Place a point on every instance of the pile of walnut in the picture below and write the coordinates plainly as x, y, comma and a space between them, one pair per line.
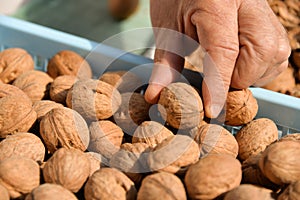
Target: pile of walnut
67, 136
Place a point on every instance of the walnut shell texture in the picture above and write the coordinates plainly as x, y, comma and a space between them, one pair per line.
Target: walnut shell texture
60, 86
93, 99
133, 111
292, 136
35, 84
63, 127
280, 162
162, 185
19, 175
67, 167
106, 138
212, 176
8, 90
124, 81
249, 192
255, 136
241, 107
49, 191
213, 138
95, 161
68, 62
4, 193
13, 63
292, 192
174, 154
181, 106
25, 145
151, 132
42, 107
16, 115
109, 183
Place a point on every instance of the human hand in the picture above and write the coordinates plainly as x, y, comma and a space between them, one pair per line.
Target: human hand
245, 45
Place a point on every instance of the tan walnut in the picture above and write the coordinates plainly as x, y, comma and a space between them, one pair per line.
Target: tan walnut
42, 107
60, 86
249, 192
291, 192
4, 193
95, 161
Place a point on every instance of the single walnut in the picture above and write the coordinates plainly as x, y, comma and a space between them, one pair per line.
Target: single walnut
93, 99
241, 107
133, 111
106, 138
60, 87
124, 81
16, 115
181, 106
63, 127
132, 160
255, 136
25, 145
280, 162
49, 191
291, 136
253, 175
174, 154
161, 185
35, 84
95, 161
8, 90
13, 63
109, 183
249, 192
67, 167
283, 83
120, 9
214, 139
218, 174
292, 192
4, 193
19, 176
68, 62
42, 107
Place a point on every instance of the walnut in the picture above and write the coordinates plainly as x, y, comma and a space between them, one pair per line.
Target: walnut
174, 154
291, 192
67, 167
42, 107
93, 99
16, 115
181, 106
132, 112
291, 136
8, 90
68, 62
218, 174
63, 127
280, 162
241, 107
106, 138
249, 192
124, 81
95, 161
25, 145
253, 175
213, 138
162, 185
255, 136
4, 193
109, 183
120, 9
19, 176
132, 160
14, 62
35, 84
60, 87
49, 191
151, 132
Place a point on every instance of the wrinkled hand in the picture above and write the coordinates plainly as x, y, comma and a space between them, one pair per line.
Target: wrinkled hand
244, 43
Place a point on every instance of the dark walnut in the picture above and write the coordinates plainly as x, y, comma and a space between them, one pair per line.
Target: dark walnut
181, 106
218, 174
68, 62
35, 84
255, 136
13, 63
93, 99
63, 127
161, 185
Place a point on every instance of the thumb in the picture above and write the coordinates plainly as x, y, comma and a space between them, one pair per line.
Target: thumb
166, 69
